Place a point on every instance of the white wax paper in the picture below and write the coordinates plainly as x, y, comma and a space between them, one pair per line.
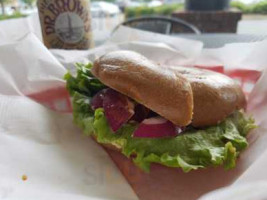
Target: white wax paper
57, 159
232, 57
26, 66
14, 29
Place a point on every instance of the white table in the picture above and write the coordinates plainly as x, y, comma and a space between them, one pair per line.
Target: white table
215, 40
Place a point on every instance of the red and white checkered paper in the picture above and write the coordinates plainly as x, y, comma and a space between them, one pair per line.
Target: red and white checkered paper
164, 183
246, 65
146, 185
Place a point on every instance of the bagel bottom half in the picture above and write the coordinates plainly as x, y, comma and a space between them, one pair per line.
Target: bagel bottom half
195, 148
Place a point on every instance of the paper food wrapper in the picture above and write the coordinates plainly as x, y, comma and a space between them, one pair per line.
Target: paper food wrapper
43, 155
55, 159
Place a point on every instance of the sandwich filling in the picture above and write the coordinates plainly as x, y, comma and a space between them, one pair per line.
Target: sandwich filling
115, 119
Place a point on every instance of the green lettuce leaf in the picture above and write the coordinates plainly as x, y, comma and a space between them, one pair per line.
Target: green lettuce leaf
82, 88
84, 82
212, 146
195, 148
82, 112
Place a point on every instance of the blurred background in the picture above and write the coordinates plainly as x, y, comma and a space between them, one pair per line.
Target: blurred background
209, 16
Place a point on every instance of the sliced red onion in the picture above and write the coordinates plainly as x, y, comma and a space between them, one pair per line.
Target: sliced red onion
140, 113
156, 127
118, 108
97, 100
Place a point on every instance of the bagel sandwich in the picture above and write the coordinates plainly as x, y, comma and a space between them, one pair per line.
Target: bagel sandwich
175, 116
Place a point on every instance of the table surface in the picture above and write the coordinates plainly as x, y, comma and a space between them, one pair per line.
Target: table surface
215, 40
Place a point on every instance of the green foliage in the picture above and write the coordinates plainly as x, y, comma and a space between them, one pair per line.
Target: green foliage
245, 8
15, 15
4, 1
260, 7
29, 2
255, 8
160, 10
2, 4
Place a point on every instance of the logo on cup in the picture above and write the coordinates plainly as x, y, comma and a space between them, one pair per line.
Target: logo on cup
69, 27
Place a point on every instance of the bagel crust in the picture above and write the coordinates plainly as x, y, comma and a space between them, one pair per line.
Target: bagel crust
179, 94
215, 95
164, 91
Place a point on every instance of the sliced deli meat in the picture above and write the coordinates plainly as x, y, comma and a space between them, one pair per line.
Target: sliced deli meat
118, 108
140, 113
97, 100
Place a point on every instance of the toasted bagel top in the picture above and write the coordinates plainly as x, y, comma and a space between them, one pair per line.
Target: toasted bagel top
180, 94
164, 91
215, 95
